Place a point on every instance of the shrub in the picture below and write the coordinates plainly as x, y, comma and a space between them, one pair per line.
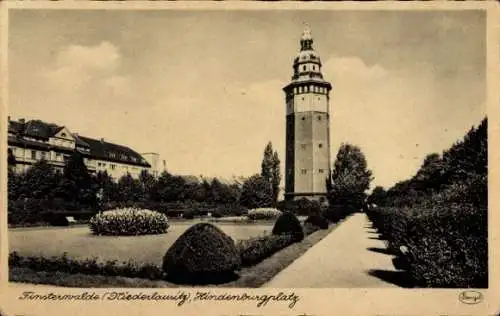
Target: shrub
288, 224
317, 220
202, 254
447, 244
188, 214
263, 213
128, 221
254, 250
216, 214
303, 206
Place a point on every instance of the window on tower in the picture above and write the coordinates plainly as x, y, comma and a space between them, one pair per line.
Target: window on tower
303, 146
320, 145
320, 170
304, 68
303, 171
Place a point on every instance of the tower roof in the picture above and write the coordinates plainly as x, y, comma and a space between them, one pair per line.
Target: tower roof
307, 63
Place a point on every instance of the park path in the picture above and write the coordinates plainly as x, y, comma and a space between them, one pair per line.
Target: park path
351, 256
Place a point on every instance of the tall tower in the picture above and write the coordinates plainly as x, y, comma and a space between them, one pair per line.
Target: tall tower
307, 164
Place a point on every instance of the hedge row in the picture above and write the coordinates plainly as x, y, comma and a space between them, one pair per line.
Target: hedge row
89, 266
256, 249
443, 246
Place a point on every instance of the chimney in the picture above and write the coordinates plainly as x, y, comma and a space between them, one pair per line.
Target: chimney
8, 118
22, 121
102, 140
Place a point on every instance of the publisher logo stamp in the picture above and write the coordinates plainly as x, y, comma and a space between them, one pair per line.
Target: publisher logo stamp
470, 297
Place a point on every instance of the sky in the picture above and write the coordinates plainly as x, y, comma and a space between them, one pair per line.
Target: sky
203, 88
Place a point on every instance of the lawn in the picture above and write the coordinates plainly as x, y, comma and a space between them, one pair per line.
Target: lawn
80, 244
250, 277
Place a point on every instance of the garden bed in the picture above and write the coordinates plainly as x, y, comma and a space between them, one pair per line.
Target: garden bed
79, 243
254, 276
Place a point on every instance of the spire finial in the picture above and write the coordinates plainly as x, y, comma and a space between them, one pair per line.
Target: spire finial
306, 35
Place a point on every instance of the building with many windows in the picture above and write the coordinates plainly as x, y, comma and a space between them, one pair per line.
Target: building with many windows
307, 165
34, 140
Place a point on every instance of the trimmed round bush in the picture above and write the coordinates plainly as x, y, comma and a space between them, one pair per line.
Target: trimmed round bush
263, 213
289, 224
202, 254
128, 222
318, 221
188, 214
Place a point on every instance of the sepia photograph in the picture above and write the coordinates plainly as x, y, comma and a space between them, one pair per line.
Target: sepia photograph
266, 149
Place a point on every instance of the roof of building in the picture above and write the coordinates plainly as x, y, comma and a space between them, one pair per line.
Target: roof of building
113, 152
99, 149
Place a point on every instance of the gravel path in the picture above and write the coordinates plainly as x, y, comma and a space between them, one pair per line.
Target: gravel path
351, 256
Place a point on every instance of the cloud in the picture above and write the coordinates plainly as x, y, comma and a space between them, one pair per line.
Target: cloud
77, 68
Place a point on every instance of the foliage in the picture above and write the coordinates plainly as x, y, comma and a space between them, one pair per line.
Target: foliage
203, 253
463, 164
288, 224
188, 214
447, 244
129, 189
263, 213
107, 187
302, 206
256, 192
89, 266
270, 170
254, 250
40, 181
11, 159
77, 184
147, 183
317, 220
440, 217
350, 178
377, 196
128, 221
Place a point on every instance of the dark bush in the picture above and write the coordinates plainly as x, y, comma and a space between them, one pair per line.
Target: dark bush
216, 214
317, 220
254, 250
188, 214
300, 207
288, 224
202, 254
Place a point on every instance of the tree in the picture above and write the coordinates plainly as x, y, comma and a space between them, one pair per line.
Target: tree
15, 184
270, 170
170, 188
129, 188
108, 188
378, 196
256, 192
148, 186
40, 181
276, 174
11, 159
78, 186
350, 178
